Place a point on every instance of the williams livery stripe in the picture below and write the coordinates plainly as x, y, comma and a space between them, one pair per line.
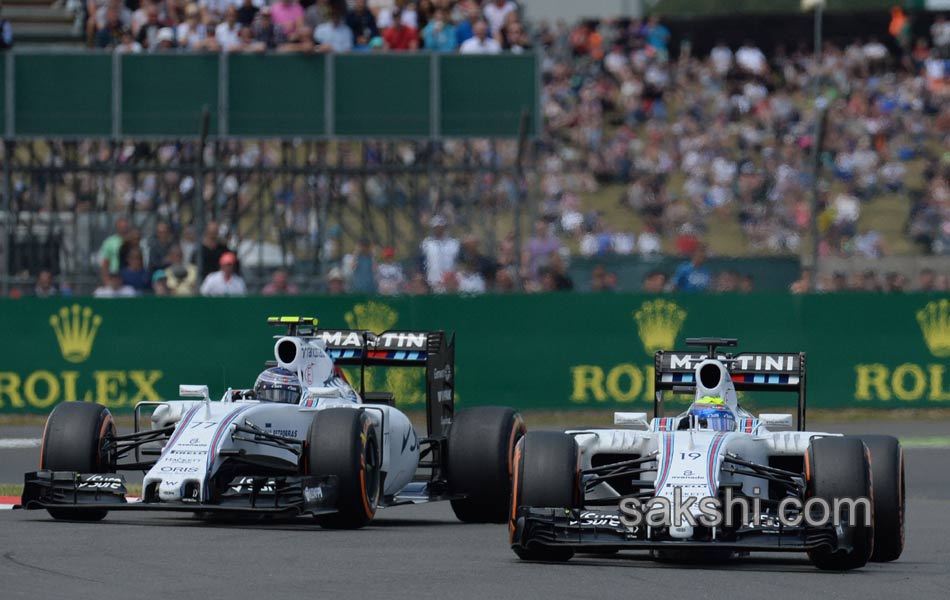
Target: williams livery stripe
712, 464
219, 435
182, 426
667, 454
736, 378
379, 354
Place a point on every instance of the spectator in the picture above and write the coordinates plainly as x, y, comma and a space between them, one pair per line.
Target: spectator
190, 33
300, 40
439, 253
654, 282
539, 249
657, 35
362, 268
226, 281
6, 33
554, 277
495, 13
400, 36
160, 283
212, 249
228, 30
401, 11
318, 12
165, 39
247, 13
334, 35
159, 244
147, 33
480, 43
465, 28
336, 283
181, 277
693, 275
109, 251
110, 34
114, 288
439, 33
389, 274
266, 32
127, 44
45, 288
280, 285
362, 23
287, 14
134, 274
468, 279
804, 283
514, 38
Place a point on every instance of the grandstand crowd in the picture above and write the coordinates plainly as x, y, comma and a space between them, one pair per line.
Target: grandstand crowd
682, 140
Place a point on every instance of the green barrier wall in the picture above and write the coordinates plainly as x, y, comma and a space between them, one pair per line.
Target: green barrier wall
547, 352
272, 95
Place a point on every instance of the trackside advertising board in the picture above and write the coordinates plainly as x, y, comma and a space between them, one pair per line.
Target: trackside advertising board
570, 351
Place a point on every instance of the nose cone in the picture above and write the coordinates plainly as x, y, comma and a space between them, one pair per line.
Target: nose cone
169, 490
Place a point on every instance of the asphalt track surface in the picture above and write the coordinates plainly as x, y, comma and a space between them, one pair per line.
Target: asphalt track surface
422, 551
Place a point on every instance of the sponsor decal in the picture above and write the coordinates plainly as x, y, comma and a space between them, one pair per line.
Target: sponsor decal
173, 469
596, 519
407, 385
658, 323
101, 482
313, 494
410, 433
74, 329
908, 381
188, 452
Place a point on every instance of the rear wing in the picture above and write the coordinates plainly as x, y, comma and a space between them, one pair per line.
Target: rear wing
750, 371
433, 350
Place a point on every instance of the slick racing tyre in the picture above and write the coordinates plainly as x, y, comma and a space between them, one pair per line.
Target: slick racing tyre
887, 479
838, 468
343, 442
78, 438
479, 462
547, 475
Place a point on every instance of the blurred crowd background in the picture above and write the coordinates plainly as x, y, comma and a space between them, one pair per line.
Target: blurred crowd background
648, 150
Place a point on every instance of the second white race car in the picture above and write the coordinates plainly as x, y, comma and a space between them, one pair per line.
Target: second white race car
302, 441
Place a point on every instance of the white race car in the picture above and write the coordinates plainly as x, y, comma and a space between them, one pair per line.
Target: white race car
714, 481
301, 441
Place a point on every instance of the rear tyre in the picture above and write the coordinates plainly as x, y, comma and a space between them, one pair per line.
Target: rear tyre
76, 438
887, 480
837, 468
342, 442
546, 476
479, 462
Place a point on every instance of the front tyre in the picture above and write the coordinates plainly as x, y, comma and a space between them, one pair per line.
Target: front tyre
479, 462
547, 475
78, 438
837, 468
342, 442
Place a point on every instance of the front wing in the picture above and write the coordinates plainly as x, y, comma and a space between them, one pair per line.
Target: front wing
275, 496
585, 529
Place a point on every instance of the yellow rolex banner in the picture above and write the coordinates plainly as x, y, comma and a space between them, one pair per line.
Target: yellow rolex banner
557, 351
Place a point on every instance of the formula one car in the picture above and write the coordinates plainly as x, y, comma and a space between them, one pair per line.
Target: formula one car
302, 441
741, 486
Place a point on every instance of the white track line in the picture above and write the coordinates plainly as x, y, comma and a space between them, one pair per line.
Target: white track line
19, 443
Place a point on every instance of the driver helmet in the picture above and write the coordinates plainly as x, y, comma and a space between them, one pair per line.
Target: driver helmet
712, 413
277, 384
